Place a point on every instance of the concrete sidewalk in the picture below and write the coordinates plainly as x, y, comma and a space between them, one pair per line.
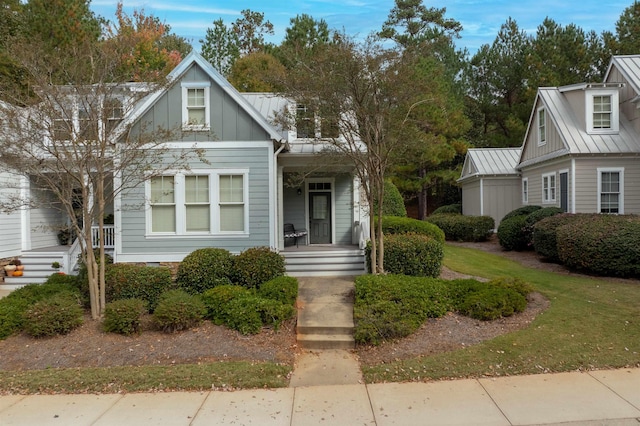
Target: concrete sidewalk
596, 398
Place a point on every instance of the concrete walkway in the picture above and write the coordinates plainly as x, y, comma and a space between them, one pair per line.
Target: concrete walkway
595, 398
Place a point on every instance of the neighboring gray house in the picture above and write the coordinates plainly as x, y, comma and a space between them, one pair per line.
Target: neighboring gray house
581, 148
242, 196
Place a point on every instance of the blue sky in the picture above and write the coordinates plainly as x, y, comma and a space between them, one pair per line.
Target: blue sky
481, 19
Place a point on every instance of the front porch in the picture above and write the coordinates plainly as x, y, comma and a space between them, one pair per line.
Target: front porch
324, 260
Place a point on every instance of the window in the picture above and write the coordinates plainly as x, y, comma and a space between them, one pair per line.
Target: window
196, 203
207, 203
329, 128
602, 111
62, 129
305, 127
542, 127
525, 191
610, 190
113, 114
87, 125
549, 188
195, 106
231, 203
163, 205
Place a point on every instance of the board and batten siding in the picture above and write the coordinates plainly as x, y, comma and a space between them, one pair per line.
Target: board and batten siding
501, 195
587, 182
628, 105
471, 197
554, 141
136, 245
10, 223
229, 120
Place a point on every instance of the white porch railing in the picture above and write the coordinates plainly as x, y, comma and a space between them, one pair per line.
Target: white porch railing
70, 258
109, 237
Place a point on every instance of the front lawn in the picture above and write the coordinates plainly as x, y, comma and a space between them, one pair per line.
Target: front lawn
592, 323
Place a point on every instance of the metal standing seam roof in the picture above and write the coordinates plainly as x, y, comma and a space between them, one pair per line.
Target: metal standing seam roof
629, 67
492, 161
268, 105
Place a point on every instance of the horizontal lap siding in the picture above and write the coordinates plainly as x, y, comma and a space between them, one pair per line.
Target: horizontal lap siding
343, 209
471, 198
587, 183
10, 223
45, 221
501, 195
256, 160
534, 174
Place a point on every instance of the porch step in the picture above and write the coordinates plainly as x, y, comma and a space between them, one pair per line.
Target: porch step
37, 268
324, 263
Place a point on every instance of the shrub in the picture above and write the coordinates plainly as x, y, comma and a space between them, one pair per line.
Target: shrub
460, 289
203, 269
257, 265
392, 204
129, 281
492, 303
58, 279
274, 313
602, 244
243, 314
406, 225
58, 314
545, 234
178, 310
521, 211
512, 283
511, 233
14, 305
123, 316
381, 321
283, 289
217, 299
410, 254
448, 209
458, 227
540, 214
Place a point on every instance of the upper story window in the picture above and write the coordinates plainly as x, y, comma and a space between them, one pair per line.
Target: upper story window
602, 111
113, 113
549, 188
305, 126
87, 124
195, 106
542, 126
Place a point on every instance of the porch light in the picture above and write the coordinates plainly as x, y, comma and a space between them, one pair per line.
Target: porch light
299, 191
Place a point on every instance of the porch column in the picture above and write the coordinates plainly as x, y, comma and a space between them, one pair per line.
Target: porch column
280, 215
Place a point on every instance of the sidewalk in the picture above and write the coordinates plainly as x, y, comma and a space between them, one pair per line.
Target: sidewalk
596, 398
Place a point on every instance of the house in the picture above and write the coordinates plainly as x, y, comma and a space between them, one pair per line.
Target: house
581, 148
255, 178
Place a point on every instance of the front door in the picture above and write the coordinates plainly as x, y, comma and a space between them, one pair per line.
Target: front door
320, 218
564, 191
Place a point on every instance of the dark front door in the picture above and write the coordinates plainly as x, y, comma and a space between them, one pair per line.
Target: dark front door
320, 218
564, 192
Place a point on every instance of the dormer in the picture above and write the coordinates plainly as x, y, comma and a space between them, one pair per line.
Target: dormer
602, 108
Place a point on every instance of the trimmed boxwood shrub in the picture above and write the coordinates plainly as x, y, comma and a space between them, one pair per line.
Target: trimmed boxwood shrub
521, 211
58, 314
128, 281
602, 244
492, 303
406, 225
178, 310
410, 254
15, 304
203, 269
217, 299
540, 214
512, 235
545, 234
257, 265
283, 289
459, 227
123, 316
243, 314
448, 209
392, 204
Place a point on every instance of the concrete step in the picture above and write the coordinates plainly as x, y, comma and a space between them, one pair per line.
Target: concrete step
324, 263
346, 330
325, 341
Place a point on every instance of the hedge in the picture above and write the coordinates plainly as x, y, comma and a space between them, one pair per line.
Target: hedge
178, 310
601, 244
545, 234
406, 225
448, 209
521, 211
459, 227
203, 269
257, 265
128, 281
410, 254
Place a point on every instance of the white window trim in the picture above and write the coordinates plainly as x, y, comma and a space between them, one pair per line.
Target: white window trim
542, 138
207, 106
620, 170
525, 190
615, 111
214, 202
550, 199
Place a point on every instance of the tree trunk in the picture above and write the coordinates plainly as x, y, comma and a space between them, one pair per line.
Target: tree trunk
422, 196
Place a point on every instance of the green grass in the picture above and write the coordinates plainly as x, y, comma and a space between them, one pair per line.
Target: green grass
185, 377
592, 323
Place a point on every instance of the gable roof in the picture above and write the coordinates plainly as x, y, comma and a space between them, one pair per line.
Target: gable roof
629, 67
573, 134
195, 58
491, 162
268, 104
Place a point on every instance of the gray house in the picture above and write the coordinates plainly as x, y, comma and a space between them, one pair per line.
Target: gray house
257, 180
581, 148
